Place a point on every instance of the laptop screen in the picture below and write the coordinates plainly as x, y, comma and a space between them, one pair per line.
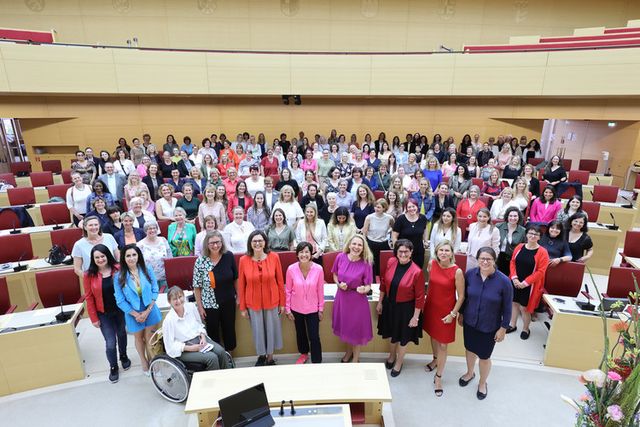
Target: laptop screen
245, 408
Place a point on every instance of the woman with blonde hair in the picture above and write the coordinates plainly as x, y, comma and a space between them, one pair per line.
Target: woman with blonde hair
133, 186
289, 205
353, 272
214, 203
521, 195
166, 203
445, 296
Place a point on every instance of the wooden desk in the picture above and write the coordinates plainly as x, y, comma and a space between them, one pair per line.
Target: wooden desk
576, 340
600, 179
40, 238
40, 352
22, 285
304, 384
605, 247
25, 181
625, 217
42, 196
330, 342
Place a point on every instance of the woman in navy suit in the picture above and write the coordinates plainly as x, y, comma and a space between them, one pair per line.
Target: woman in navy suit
136, 290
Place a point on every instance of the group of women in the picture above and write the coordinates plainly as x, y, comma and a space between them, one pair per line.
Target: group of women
314, 205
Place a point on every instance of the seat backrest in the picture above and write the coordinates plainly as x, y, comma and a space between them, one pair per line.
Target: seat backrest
54, 166
58, 190
179, 271
564, 279
66, 176
41, 179
163, 224
5, 302
286, 259
9, 178
632, 244
21, 168
621, 281
605, 193
535, 161
477, 181
55, 213
461, 261
9, 220
566, 164
15, 247
56, 282
588, 165
328, 258
580, 176
463, 223
66, 238
385, 256
592, 209
21, 196
378, 194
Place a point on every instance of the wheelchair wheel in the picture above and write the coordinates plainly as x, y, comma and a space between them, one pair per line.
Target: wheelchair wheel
170, 378
230, 360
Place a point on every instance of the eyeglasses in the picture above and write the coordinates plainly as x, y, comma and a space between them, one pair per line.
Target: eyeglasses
533, 234
215, 242
255, 242
485, 259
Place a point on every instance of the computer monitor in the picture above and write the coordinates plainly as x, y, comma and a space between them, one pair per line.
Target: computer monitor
248, 408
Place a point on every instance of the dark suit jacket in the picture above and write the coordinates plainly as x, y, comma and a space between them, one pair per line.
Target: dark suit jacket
119, 236
147, 181
448, 203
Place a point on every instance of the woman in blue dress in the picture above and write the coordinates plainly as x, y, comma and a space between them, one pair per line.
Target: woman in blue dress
136, 291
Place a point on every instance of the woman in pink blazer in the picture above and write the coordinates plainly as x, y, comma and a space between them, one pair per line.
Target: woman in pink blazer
545, 209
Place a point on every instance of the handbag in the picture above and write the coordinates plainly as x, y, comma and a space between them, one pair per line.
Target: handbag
57, 255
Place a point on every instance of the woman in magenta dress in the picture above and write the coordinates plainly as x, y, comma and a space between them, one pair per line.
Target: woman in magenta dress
353, 272
445, 296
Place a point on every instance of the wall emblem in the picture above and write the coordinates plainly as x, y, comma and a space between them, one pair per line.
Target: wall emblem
522, 10
34, 5
289, 7
207, 7
121, 6
447, 9
369, 8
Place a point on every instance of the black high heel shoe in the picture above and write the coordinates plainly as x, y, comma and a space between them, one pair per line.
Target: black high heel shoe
428, 367
388, 364
439, 392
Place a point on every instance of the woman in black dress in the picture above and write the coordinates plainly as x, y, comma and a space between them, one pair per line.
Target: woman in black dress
580, 243
555, 175
412, 226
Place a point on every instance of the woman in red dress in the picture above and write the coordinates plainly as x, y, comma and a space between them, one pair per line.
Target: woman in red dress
445, 296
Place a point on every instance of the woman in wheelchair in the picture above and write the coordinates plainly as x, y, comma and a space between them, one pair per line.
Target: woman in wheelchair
185, 338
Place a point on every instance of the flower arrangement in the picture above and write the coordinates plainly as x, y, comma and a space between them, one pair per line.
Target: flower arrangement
612, 397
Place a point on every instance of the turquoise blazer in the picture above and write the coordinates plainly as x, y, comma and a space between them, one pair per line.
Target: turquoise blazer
127, 297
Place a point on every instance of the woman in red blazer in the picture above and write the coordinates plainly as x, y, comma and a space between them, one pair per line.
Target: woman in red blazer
102, 308
400, 304
528, 267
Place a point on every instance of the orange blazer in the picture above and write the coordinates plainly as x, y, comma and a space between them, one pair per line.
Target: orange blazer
535, 279
260, 290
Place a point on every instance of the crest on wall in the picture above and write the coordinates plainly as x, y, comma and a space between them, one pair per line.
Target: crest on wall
522, 10
207, 7
34, 5
369, 8
447, 9
121, 6
289, 7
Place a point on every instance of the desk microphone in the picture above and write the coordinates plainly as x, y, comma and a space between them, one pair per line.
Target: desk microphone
19, 267
293, 410
614, 226
63, 316
15, 231
57, 226
591, 195
597, 180
586, 305
630, 203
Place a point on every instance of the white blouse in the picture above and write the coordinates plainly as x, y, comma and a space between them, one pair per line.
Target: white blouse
235, 236
177, 330
438, 236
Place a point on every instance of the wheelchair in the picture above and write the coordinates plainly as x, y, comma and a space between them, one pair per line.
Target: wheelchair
171, 377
